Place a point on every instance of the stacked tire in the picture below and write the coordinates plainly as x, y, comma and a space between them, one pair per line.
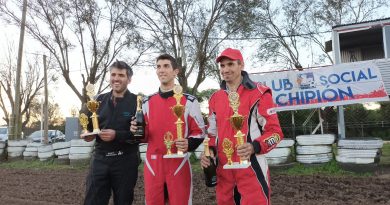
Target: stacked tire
16, 148
142, 149
2, 151
359, 151
61, 151
314, 149
31, 151
281, 154
45, 152
80, 151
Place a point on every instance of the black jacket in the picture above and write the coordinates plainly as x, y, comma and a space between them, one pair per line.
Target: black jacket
118, 118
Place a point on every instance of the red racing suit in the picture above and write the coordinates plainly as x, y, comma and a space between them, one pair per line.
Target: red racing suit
261, 128
175, 173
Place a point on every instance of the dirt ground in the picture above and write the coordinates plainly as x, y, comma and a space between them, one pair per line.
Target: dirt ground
43, 187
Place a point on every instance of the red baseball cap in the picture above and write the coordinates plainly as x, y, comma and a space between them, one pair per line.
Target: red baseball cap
233, 54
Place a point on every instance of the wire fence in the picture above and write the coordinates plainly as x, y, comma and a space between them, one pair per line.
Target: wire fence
360, 121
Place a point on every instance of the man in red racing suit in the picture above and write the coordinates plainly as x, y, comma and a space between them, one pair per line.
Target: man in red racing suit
173, 174
261, 128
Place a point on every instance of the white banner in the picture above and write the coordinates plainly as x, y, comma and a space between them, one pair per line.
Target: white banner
340, 84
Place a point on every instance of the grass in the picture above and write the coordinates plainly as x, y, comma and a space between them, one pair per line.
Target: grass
39, 165
385, 158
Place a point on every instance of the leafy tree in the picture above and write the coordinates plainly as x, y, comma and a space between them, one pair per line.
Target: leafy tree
55, 119
193, 30
101, 30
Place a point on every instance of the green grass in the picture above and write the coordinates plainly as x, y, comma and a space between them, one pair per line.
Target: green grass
330, 168
36, 164
385, 158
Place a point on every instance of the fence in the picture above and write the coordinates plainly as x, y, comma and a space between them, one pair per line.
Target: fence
360, 121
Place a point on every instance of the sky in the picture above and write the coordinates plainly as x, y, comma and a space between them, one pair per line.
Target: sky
60, 92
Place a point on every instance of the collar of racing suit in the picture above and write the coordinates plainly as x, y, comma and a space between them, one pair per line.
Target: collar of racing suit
246, 82
165, 94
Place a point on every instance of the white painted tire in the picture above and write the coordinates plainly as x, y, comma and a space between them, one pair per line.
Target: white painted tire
315, 158
79, 156
15, 154
361, 143
81, 143
278, 152
59, 152
80, 150
318, 149
45, 155
363, 153
66, 156
1, 151
143, 156
355, 160
197, 154
286, 143
45, 148
31, 149
325, 139
30, 154
61, 145
276, 160
2, 145
143, 147
34, 144
17, 143
16, 149
200, 148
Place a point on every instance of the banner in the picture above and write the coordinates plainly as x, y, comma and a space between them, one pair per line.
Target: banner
340, 84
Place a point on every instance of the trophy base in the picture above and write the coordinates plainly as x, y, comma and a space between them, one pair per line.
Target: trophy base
170, 156
89, 134
236, 165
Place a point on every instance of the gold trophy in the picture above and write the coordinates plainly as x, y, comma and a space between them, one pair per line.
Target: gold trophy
83, 118
92, 106
168, 141
237, 121
228, 150
178, 111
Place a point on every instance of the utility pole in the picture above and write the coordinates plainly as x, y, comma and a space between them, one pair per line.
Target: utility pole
15, 123
46, 126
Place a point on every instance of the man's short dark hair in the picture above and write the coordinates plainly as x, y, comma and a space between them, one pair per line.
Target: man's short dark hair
122, 65
170, 58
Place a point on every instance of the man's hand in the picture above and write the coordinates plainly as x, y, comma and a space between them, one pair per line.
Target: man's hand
133, 125
182, 144
87, 137
205, 161
107, 135
245, 151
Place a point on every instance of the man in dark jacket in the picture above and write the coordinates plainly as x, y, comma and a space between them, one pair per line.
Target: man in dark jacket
114, 166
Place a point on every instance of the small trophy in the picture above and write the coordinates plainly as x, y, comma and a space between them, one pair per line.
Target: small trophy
168, 141
92, 106
83, 118
237, 121
228, 150
178, 111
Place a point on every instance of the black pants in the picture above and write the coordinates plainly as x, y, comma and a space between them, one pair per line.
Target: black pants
116, 173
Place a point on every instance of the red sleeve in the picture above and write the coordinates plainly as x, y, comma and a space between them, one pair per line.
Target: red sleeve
268, 119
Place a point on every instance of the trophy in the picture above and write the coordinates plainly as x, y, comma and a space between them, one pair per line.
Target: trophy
83, 118
92, 106
168, 141
237, 121
227, 146
178, 111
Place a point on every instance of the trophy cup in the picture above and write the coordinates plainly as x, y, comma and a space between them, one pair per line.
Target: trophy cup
92, 106
83, 118
228, 150
168, 141
237, 121
178, 111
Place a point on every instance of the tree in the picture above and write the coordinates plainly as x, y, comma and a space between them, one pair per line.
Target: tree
193, 30
31, 85
54, 116
100, 29
295, 30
